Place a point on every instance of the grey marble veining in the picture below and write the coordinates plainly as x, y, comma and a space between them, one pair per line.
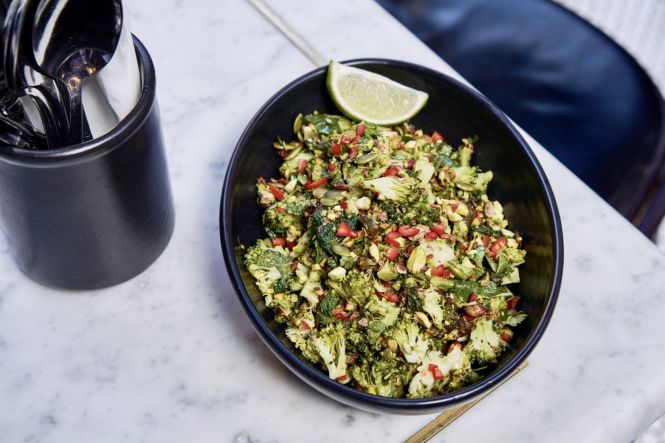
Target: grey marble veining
170, 355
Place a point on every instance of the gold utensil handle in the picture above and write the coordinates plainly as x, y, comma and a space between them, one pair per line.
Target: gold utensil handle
449, 416
290, 33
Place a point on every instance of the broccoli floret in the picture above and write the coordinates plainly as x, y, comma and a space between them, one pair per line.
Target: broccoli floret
382, 376
302, 245
485, 343
302, 323
356, 339
515, 319
283, 303
424, 169
330, 344
270, 267
436, 372
410, 292
391, 187
410, 341
432, 305
415, 209
282, 224
382, 311
468, 178
356, 286
312, 288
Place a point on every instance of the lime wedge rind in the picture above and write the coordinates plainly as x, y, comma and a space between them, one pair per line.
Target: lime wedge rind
370, 97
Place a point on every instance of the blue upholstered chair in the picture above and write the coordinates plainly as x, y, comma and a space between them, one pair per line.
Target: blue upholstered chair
565, 82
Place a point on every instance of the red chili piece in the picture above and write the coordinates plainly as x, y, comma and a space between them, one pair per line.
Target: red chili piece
390, 171
392, 254
331, 167
472, 297
344, 230
360, 129
393, 298
391, 239
317, 184
497, 247
344, 205
279, 195
436, 372
431, 236
303, 325
512, 302
441, 271
454, 345
341, 315
438, 229
280, 210
436, 137
407, 231
302, 165
336, 149
278, 241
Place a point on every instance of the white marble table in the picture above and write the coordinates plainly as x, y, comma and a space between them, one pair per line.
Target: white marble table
170, 356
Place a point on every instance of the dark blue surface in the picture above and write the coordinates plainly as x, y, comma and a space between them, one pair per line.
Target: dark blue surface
569, 85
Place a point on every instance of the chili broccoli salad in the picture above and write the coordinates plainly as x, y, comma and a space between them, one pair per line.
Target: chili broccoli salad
384, 259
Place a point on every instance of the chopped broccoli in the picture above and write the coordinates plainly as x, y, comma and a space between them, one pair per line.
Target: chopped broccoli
270, 266
515, 319
435, 371
432, 305
383, 376
391, 187
312, 288
356, 286
411, 343
418, 267
485, 342
424, 169
468, 178
382, 310
282, 224
330, 343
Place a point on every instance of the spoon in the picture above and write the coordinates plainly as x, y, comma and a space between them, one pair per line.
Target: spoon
71, 41
16, 134
40, 96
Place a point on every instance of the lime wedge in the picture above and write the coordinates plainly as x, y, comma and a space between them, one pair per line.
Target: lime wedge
373, 98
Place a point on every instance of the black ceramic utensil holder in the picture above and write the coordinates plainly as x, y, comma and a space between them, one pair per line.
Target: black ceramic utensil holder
95, 214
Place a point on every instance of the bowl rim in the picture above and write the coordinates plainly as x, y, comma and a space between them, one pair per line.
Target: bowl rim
313, 376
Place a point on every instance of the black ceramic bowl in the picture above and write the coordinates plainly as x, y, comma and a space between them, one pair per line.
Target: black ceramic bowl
455, 110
